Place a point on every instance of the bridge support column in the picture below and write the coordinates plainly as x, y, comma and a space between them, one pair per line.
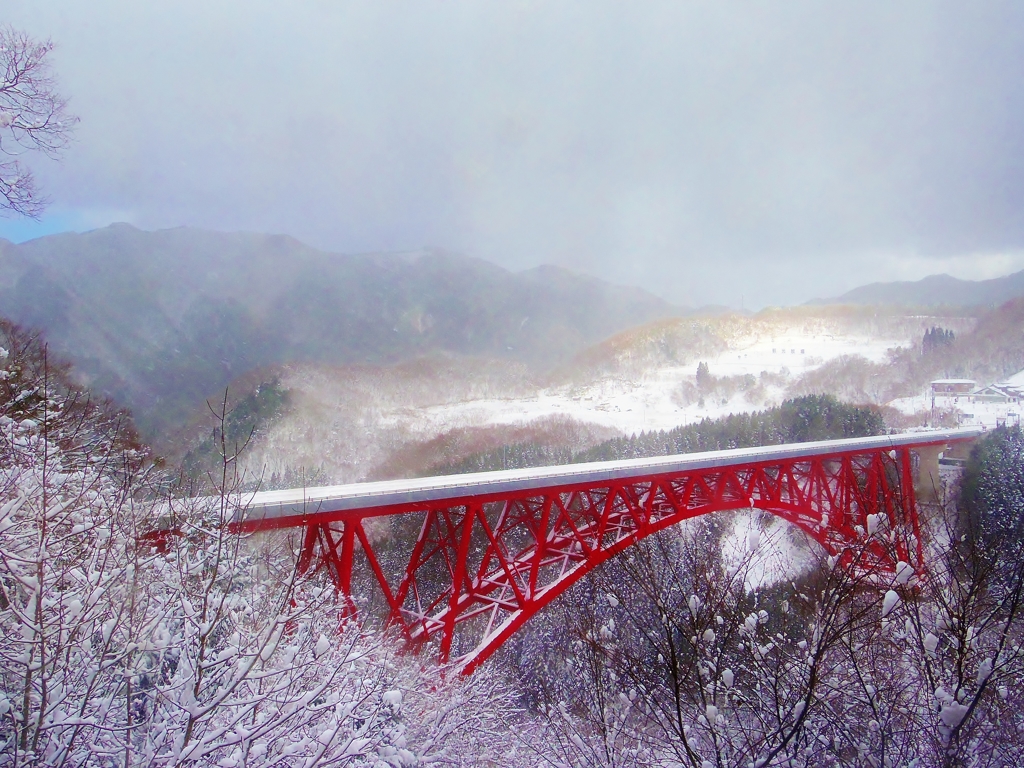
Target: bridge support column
929, 485
959, 451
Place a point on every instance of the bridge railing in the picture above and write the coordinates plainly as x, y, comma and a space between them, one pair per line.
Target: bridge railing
273, 509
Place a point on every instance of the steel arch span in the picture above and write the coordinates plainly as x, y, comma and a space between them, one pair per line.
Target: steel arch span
494, 548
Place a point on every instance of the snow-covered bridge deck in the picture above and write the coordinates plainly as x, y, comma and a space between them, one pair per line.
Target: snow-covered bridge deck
279, 508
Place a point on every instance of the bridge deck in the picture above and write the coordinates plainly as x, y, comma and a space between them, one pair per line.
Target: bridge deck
280, 508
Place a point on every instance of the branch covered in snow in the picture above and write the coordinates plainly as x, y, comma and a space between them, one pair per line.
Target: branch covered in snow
33, 117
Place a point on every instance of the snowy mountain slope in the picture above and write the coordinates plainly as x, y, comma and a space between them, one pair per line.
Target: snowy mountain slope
159, 321
348, 424
796, 339
352, 423
936, 290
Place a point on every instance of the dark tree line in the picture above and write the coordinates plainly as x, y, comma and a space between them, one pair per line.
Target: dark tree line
705, 380
249, 416
936, 338
813, 417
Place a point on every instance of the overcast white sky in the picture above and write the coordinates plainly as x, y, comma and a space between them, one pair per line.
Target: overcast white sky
711, 152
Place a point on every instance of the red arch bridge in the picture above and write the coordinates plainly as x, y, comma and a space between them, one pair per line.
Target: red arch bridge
494, 548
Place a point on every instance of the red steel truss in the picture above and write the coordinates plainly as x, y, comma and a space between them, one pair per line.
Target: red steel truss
490, 555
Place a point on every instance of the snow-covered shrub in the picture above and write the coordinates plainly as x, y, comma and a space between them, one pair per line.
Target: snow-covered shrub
686, 664
67, 575
191, 646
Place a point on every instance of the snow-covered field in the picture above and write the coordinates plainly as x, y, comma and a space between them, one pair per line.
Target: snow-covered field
797, 351
346, 425
651, 401
968, 414
765, 549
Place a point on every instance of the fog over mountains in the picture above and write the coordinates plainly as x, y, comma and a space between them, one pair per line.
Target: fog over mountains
161, 320
936, 290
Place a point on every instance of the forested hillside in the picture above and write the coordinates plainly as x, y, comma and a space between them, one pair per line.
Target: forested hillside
159, 321
936, 290
989, 352
802, 419
137, 630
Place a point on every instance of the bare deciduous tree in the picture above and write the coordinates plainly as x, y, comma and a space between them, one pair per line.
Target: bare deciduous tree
667, 657
33, 118
135, 632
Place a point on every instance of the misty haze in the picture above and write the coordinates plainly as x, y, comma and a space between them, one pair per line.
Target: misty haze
520, 384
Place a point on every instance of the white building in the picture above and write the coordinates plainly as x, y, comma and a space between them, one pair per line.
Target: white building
949, 394
992, 405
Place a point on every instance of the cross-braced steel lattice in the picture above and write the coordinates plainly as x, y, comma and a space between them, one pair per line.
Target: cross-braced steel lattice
492, 553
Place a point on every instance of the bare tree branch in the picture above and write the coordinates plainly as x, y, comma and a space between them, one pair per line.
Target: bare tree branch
33, 118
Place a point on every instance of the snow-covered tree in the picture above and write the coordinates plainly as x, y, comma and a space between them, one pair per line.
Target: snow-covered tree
33, 118
139, 631
668, 656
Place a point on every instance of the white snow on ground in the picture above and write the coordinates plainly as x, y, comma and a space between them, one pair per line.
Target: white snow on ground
989, 415
912, 405
797, 353
624, 405
968, 414
647, 402
1017, 380
348, 426
764, 549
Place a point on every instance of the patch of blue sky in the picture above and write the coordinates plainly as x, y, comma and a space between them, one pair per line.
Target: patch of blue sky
19, 229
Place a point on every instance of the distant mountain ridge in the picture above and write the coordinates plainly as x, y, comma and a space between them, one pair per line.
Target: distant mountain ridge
936, 290
160, 320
